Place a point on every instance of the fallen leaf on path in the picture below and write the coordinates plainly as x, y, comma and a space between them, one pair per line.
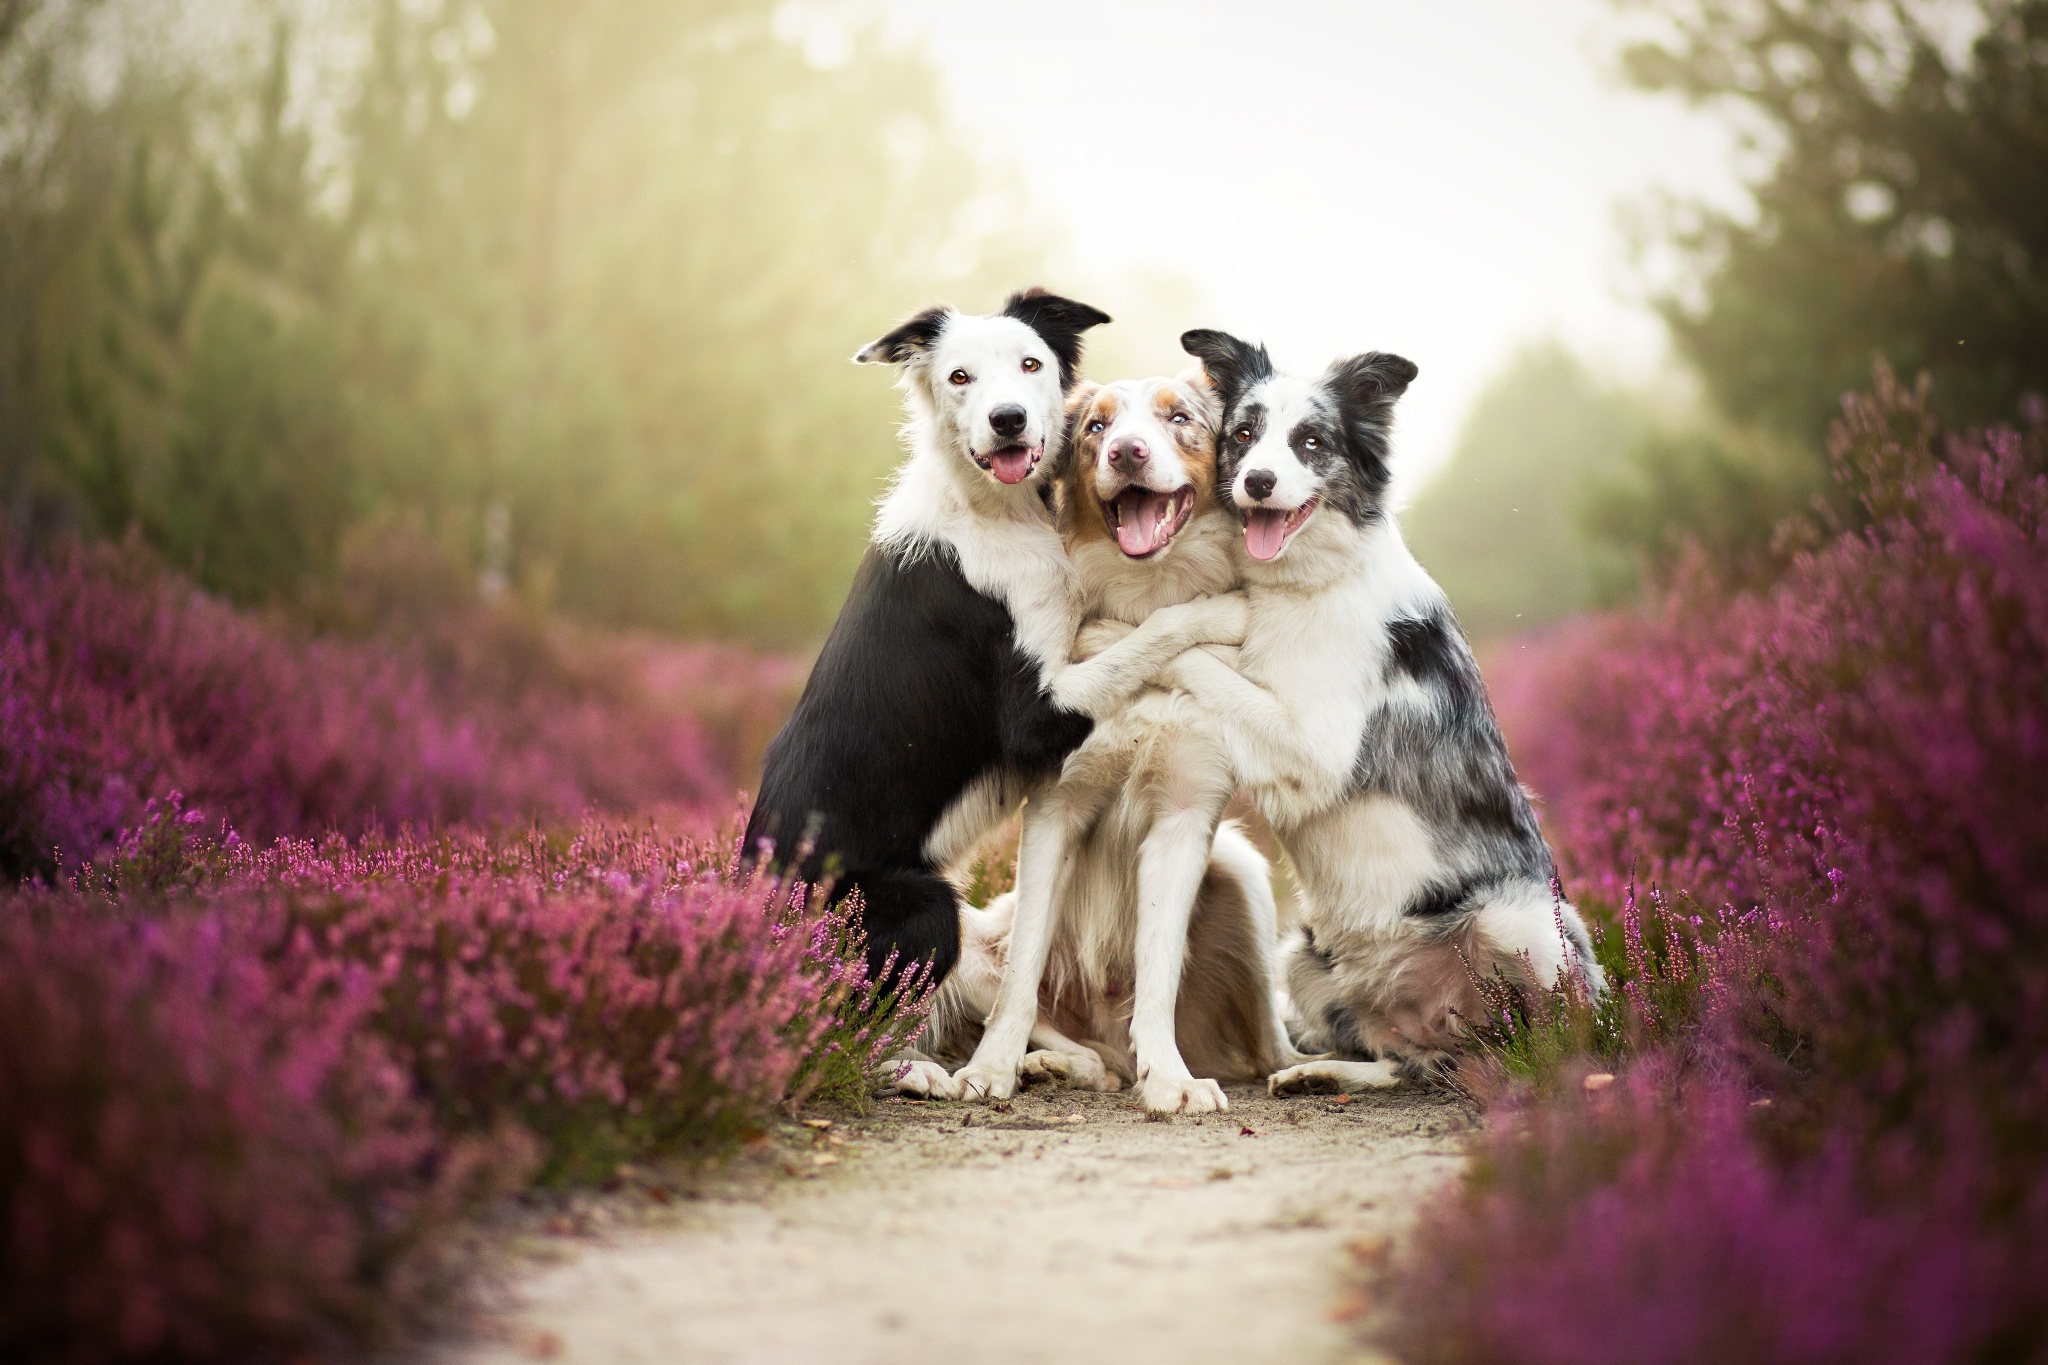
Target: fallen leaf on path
817, 1123
1247, 1132
1599, 1080
1369, 1250
1221, 1173
1340, 1099
824, 1159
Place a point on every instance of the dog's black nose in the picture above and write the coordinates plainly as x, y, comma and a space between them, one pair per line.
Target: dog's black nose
1259, 484
1128, 452
1008, 421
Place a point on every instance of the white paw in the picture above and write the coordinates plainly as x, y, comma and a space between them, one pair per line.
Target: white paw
925, 1080
979, 1081
1083, 1071
1181, 1095
1323, 1077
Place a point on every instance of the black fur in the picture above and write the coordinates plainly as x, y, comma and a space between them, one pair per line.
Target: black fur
919, 691
1060, 321
908, 340
1232, 365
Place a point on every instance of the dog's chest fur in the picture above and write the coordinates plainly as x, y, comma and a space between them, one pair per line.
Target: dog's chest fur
1003, 539
1112, 585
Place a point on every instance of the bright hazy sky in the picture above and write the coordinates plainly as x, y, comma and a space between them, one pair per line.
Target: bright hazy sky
1439, 178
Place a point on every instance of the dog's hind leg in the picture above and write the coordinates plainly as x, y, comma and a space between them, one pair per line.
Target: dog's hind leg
1346, 1078
1236, 854
911, 918
1527, 927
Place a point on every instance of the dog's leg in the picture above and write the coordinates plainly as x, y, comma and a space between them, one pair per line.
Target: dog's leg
1527, 925
1346, 1078
1056, 1057
1042, 858
970, 995
1104, 683
1171, 864
1265, 740
1237, 855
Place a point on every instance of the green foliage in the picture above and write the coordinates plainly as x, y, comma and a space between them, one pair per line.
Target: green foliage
1498, 526
1731, 494
1901, 217
565, 291
1904, 214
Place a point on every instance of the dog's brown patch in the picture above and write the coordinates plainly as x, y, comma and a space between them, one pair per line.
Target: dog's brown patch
1085, 517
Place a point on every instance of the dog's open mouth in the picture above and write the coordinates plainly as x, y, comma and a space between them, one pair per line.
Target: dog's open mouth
1144, 521
1011, 464
1267, 530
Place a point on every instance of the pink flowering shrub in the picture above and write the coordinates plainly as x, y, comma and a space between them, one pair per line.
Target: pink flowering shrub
246, 1091
1827, 1141
119, 682
200, 1160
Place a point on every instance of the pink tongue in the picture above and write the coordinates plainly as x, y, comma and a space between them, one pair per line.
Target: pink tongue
1012, 465
1145, 518
1264, 533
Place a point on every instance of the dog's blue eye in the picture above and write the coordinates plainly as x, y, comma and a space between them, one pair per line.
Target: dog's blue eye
1180, 419
1094, 427
1312, 444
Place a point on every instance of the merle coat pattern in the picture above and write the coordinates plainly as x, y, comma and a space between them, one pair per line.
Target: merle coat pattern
1357, 717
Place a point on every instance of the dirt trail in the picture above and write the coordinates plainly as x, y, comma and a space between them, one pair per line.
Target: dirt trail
1022, 1236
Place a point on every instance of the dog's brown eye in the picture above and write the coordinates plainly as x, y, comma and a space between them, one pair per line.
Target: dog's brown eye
1031, 365
960, 377
1243, 436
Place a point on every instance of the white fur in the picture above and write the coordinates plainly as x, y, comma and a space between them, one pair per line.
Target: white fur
1288, 402
1147, 788
1309, 676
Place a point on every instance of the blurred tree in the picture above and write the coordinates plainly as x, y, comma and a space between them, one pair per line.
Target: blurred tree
1498, 525
566, 290
1902, 214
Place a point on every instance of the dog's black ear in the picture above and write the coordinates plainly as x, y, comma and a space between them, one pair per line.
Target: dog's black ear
1060, 321
1366, 387
1232, 365
907, 342
1372, 380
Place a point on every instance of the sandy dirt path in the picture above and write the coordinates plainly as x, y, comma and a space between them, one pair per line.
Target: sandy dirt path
933, 1232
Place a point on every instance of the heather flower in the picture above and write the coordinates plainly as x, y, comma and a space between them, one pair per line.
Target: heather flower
1833, 1018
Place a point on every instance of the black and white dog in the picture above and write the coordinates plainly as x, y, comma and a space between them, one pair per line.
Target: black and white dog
944, 694
1356, 716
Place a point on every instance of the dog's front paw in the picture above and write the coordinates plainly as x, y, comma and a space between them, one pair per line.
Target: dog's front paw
1099, 635
1083, 1071
1181, 1095
1323, 1078
921, 1079
1219, 620
979, 1081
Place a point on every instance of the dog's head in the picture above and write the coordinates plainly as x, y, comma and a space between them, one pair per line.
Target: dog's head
1144, 459
1291, 447
992, 386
